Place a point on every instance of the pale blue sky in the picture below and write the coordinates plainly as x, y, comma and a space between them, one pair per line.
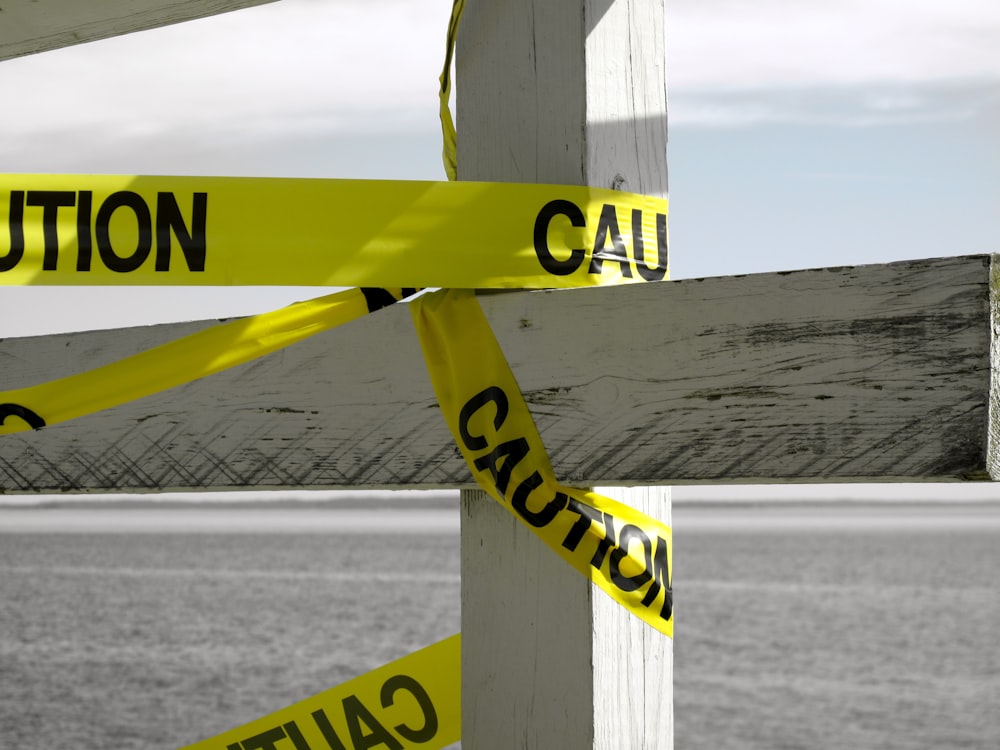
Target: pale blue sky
803, 134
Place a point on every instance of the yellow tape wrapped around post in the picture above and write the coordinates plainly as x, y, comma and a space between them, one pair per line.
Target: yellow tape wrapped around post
221, 231
413, 702
626, 553
100, 230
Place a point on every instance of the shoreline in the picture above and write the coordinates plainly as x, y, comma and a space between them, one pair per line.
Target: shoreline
442, 516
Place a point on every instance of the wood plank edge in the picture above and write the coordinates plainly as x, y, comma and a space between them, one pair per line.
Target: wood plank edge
129, 20
993, 421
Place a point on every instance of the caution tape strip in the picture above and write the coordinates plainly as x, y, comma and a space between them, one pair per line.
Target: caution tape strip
184, 360
221, 231
413, 702
630, 553
626, 553
106, 230
449, 138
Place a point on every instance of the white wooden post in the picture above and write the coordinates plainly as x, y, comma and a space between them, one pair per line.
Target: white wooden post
568, 92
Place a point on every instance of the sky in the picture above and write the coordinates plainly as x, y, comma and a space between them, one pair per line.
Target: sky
802, 134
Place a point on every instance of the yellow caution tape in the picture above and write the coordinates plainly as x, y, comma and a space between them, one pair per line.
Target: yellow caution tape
218, 231
184, 360
137, 230
626, 553
413, 702
448, 136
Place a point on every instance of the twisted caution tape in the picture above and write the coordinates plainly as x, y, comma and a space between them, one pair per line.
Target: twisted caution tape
441, 234
493, 428
107, 230
625, 552
184, 360
226, 231
413, 702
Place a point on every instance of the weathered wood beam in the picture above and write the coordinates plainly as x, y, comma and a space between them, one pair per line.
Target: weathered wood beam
29, 26
870, 374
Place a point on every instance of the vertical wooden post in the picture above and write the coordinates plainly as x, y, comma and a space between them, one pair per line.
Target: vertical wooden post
573, 92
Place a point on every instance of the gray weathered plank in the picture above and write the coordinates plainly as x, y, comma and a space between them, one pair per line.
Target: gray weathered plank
29, 26
872, 373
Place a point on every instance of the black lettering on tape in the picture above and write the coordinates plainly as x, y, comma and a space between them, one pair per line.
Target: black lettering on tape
264, 740
169, 225
23, 412
234, 746
405, 682
293, 733
540, 518
606, 543
661, 579
15, 224
541, 237
608, 224
492, 394
327, 730
144, 224
358, 719
84, 244
657, 272
508, 455
626, 536
50, 201
579, 529
170, 222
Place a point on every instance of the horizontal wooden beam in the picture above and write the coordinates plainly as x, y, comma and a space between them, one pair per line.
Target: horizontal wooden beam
873, 373
29, 26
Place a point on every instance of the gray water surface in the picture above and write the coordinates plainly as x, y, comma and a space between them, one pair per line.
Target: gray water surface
797, 627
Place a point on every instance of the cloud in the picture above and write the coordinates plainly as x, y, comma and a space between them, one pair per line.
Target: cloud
734, 63
761, 44
299, 68
289, 67
841, 105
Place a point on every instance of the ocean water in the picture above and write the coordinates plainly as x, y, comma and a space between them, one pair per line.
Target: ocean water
142, 639
821, 627
843, 628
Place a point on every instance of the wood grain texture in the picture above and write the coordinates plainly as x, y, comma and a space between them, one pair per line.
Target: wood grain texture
527, 676
993, 438
633, 664
30, 26
558, 91
872, 373
626, 149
